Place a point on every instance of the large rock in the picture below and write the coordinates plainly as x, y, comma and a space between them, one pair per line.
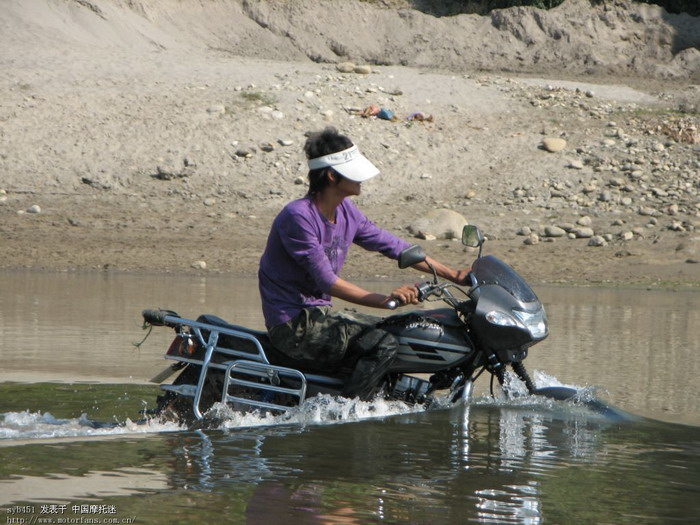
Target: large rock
441, 224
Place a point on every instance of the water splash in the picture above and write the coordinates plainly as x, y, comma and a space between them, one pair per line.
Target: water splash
325, 409
319, 410
43, 425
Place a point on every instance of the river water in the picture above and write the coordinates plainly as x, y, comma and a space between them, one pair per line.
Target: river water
67, 355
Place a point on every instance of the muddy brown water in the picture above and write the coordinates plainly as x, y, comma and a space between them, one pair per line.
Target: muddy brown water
66, 347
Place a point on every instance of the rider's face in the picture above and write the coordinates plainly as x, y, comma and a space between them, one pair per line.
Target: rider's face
346, 186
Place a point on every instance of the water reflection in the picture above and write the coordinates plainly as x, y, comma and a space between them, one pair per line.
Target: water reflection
494, 464
490, 462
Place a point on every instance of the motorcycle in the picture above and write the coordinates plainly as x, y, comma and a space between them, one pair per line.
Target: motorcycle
485, 327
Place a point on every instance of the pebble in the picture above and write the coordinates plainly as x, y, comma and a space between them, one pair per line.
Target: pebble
596, 241
554, 231
583, 233
216, 109
531, 239
35, 208
345, 67
199, 265
605, 196
553, 144
245, 153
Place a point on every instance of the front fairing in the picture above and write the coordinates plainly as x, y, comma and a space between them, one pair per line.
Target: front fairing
490, 270
508, 314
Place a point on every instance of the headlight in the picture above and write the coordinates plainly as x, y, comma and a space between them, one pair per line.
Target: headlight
500, 319
535, 322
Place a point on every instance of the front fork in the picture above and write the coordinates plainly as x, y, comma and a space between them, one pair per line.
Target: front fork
519, 368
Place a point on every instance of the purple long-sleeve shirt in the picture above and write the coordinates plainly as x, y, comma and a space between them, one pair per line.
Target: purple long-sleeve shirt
305, 253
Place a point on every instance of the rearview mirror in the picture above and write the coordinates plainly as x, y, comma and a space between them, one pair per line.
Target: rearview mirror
411, 255
472, 236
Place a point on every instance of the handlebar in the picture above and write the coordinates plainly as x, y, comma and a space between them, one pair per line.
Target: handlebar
157, 317
424, 290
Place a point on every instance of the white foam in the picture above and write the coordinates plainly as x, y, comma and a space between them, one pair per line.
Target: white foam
319, 410
21, 426
43, 425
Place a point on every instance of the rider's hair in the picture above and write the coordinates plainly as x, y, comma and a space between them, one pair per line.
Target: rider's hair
322, 143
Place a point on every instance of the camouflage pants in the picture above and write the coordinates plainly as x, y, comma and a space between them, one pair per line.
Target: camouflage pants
321, 340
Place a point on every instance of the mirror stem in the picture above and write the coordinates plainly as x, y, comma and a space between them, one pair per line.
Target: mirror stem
432, 268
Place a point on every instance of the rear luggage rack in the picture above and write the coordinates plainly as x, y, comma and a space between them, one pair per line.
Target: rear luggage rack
266, 386
241, 357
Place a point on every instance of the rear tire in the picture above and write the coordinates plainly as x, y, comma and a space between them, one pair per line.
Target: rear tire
174, 407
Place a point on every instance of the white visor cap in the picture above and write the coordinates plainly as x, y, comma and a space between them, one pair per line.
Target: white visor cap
350, 163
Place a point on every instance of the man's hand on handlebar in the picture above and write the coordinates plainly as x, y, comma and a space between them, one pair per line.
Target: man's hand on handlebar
406, 294
462, 276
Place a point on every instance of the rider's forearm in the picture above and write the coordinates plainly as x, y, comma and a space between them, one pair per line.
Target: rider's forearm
352, 293
442, 270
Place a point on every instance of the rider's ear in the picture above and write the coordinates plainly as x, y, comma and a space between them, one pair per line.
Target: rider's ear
332, 176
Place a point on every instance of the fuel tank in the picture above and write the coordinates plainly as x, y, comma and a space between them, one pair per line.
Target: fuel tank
429, 340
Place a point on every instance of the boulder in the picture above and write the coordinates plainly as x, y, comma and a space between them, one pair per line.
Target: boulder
442, 224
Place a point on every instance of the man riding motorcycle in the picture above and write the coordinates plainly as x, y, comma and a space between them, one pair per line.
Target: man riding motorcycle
299, 271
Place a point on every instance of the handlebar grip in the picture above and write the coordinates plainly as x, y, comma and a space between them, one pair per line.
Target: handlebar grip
157, 317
